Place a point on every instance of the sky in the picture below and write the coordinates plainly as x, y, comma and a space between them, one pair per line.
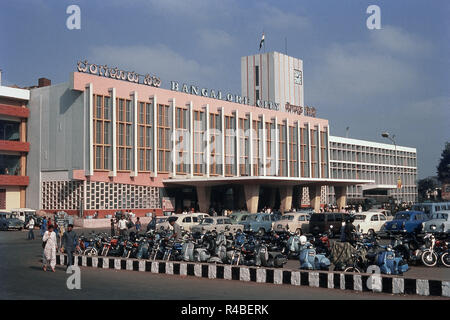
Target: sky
394, 79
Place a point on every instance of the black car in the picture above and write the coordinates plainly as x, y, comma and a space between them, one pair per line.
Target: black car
321, 222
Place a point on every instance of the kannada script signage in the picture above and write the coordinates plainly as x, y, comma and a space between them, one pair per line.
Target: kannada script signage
115, 73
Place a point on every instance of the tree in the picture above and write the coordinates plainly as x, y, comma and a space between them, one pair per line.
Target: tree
443, 169
425, 185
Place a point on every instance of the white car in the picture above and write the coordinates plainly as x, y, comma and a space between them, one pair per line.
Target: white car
440, 222
368, 222
186, 221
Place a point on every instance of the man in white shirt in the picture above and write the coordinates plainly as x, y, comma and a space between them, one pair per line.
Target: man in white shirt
30, 226
122, 226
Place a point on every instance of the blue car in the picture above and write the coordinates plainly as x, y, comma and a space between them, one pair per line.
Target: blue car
259, 222
407, 221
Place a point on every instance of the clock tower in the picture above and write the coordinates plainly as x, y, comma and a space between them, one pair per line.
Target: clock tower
273, 77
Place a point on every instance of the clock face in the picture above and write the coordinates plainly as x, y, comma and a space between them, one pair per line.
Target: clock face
297, 77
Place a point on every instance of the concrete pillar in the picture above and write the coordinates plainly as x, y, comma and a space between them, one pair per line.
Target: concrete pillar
314, 197
286, 199
204, 198
341, 196
251, 192
23, 197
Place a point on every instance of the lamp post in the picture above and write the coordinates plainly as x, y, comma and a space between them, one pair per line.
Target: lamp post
392, 138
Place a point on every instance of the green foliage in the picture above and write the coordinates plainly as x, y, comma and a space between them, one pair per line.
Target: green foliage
424, 185
443, 169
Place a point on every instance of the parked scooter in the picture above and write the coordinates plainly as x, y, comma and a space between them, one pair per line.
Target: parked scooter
309, 259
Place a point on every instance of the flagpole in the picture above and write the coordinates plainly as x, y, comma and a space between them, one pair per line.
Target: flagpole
264, 44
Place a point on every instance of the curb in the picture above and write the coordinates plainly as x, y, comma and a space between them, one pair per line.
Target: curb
319, 279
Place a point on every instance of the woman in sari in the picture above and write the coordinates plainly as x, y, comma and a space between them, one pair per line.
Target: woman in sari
49, 249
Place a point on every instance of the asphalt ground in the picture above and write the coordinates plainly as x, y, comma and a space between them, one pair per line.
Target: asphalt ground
21, 277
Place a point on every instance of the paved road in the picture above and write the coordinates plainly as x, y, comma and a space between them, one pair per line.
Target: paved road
21, 277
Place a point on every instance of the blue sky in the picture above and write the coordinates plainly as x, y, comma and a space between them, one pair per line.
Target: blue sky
394, 79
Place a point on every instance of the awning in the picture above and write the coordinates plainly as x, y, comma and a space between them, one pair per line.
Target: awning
263, 180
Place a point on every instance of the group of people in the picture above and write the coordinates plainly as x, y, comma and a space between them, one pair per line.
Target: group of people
54, 237
124, 224
68, 245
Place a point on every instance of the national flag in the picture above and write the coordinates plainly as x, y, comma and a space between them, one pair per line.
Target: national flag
261, 42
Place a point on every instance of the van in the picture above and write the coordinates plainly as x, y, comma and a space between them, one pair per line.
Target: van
24, 213
431, 208
321, 222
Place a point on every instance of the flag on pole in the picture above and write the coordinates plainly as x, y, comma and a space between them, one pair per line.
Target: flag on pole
261, 42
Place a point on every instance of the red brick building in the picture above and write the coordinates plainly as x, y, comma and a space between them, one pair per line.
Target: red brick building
13, 147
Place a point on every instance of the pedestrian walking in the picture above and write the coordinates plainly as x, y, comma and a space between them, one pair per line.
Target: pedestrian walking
30, 227
56, 230
43, 226
49, 222
69, 244
49, 243
62, 230
122, 226
137, 225
113, 231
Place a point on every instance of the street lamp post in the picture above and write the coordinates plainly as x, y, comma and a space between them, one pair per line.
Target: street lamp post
392, 138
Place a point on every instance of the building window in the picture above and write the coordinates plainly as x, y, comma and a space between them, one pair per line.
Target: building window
304, 153
181, 141
257, 96
244, 147
257, 76
314, 154
230, 145
145, 137
102, 123
270, 149
163, 138
124, 135
199, 129
256, 147
324, 154
215, 134
293, 151
282, 166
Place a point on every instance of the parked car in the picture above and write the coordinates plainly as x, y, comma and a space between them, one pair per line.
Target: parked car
297, 222
218, 224
387, 213
406, 221
9, 221
157, 220
186, 221
369, 222
259, 222
237, 217
321, 222
440, 222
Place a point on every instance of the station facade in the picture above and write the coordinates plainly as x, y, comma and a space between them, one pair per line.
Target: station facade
111, 140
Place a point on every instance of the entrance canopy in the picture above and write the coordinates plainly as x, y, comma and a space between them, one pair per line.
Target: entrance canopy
275, 181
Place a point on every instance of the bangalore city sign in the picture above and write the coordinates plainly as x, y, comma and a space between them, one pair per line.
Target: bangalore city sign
115, 73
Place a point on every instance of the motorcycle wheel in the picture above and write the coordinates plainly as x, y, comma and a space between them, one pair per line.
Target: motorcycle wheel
445, 259
429, 258
91, 252
352, 269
